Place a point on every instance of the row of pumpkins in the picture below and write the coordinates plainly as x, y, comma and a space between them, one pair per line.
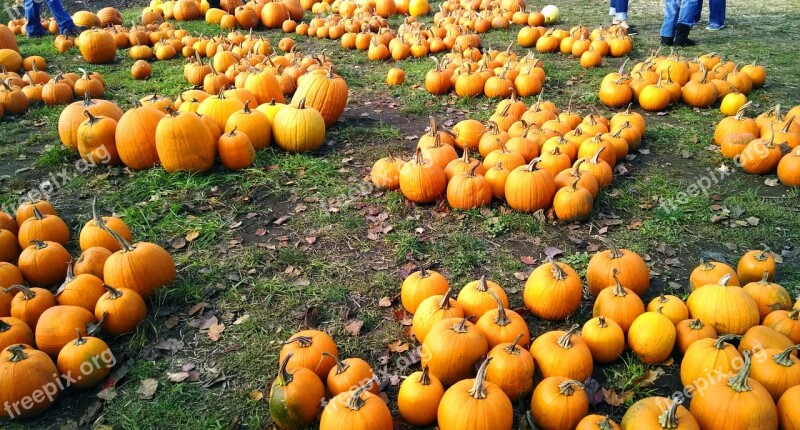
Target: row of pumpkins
60, 307
533, 159
661, 81
757, 144
588, 46
763, 369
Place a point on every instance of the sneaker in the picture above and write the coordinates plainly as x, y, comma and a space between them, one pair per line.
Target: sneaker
715, 27
38, 34
632, 31
74, 31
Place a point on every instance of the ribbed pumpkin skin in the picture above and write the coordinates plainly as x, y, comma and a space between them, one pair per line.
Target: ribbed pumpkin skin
92, 261
511, 369
420, 285
553, 293
57, 325
633, 272
645, 414
325, 92
730, 310
460, 409
553, 359
431, 310
422, 181
298, 128
14, 331
529, 189
183, 142
136, 137
144, 269
45, 266
220, 107
689, 331
605, 339
452, 348
265, 87
123, 309
708, 355
373, 414
554, 409
254, 124
82, 290
38, 370
73, 115
98, 47
788, 413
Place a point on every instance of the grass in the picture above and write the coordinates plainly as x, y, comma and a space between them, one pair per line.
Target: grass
283, 283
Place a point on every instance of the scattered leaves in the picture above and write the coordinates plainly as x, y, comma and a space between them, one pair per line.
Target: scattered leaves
353, 328
147, 389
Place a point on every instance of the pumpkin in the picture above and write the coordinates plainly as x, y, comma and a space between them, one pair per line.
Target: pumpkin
327, 93
706, 357
9, 275
634, 119
92, 261
652, 337
468, 133
142, 267
709, 272
670, 306
502, 325
9, 246
761, 156
615, 93
633, 272
769, 296
618, 303
476, 297
97, 46
385, 173
44, 263
82, 354
699, 93
559, 403
779, 372
475, 404
89, 83
73, 115
12, 99
295, 397
658, 413
553, 291
562, 353
689, 331
26, 210
438, 152
120, 310
730, 310
432, 310
451, 349
92, 235
252, 123
599, 168
529, 189
40, 374
96, 139
752, 266
760, 337
220, 107
141, 70
7, 222
135, 136
265, 87
785, 323
422, 181
468, 190
349, 373
57, 325
307, 349
463, 165
82, 290
14, 331
605, 339
420, 285
298, 129
573, 203
597, 422
183, 142
356, 409
736, 402
30, 303
787, 409
419, 397
655, 98
511, 368
56, 92
10, 59
236, 151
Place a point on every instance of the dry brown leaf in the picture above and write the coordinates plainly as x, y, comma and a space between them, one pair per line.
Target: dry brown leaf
612, 398
215, 331
353, 328
398, 346
192, 235
177, 377
256, 395
385, 302
148, 389
648, 378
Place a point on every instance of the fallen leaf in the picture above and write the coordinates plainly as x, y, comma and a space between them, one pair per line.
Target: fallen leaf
552, 252
311, 239
192, 235
235, 224
171, 322
281, 220
178, 243
398, 346
648, 378
527, 259
148, 389
385, 302
107, 394
771, 182
215, 331
353, 328
197, 308
754, 221
261, 232
612, 398
177, 377
256, 395
521, 275
242, 319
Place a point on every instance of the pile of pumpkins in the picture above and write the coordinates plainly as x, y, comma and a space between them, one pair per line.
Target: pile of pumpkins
532, 158
59, 307
660, 81
477, 329
757, 145
589, 46
25, 82
494, 74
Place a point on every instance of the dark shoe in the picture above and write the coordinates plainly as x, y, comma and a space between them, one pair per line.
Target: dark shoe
682, 35
667, 41
38, 34
632, 31
74, 31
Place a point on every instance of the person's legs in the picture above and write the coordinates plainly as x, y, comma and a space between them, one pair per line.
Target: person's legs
716, 16
33, 26
61, 16
622, 10
686, 19
699, 11
612, 10
671, 10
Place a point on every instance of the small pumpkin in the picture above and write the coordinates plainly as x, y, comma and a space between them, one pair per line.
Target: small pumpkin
511, 368
44, 264
670, 306
432, 310
605, 339
349, 373
785, 322
709, 272
83, 290
306, 348
475, 404
689, 331
709, 356
295, 397
779, 372
562, 353
618, 303
236, 150
468, 190
529, 189
451, 349
476, 297
559, 403
184, 142
573, 202
502, 325
39, 372
752, 265
43, 228
385, 173
658, 413
420, 285
356, 409
93, 235
419, 398
632, 272
597, 422
652, 337
92, 261
553, 291
769, 296
14, 331
86, 353
120, 310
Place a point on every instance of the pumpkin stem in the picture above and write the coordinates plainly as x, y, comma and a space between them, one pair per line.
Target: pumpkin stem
136, 102
70, 277
669, 419
706, 265
724, 279
576, 167
445, 303
784, 358
124, 244
532, 165
418, 157
37, 214
720, 342
557, 270
794, 314
303, 341
601, 322
788, 124
80, 340
740, 113
27, 293
461, 326
4, 326
92, 119
512, 347
605, 424
356, 402
619, 290
483, 286
284, 377
762, 256
422, 272
565, 340
618, 133
113, 293
566, 387
17, 353
613, 249
425, 377
696, 324
471, 172
739, 383
596, 157
341, 366
478, 390
501, 319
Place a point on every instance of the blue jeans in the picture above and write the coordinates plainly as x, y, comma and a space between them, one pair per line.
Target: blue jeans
679, 12
716, 12
33, 10
619, 10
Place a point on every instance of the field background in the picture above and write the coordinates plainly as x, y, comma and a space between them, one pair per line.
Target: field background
303, 241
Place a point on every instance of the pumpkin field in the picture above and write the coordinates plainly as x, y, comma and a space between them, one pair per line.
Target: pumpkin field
396, 214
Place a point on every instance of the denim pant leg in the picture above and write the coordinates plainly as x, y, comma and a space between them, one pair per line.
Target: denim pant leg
33, 17
717, 12
699, 11
622, 10
690, 10
671, 10
63, 18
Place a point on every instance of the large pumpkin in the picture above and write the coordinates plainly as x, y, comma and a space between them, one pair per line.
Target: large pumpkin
730, 310
97, 46
44, 264
633, 273
57, 326
14, 331
298, 128
784, 322
452, 348
325, 92
788, 413
553, 291
475, 404
25, 371
136, 136
73, 115
708, 357
652, 337
183, 142
7, 39
432, 310
778, 372
511, 368
143, 266
618, 303
420, 285
295, 397
559, 403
